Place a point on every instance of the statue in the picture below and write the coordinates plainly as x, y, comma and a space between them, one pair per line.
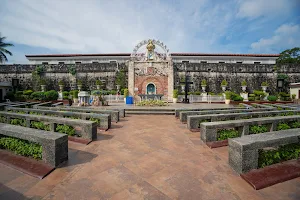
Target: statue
150, 50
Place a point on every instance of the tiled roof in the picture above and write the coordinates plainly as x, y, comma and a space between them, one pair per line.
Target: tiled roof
172, 54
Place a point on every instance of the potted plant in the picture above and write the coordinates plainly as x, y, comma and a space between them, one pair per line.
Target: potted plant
126, 94
244, 85
224, 85
61, 85
79, 84
203, 85
175, 96
43, 85
264, 86
98, 84
227, 97
75, 96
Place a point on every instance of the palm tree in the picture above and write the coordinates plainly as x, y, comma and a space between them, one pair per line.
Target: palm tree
3, 49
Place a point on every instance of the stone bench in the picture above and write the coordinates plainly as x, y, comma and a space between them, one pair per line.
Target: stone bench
113, 113
57, 104
284, 107
262, 105
55, 145
105, 119
194, 120
87, 129
177, 111
243, 152
209, 130
184, 115
121, 110
247, 106
48, 103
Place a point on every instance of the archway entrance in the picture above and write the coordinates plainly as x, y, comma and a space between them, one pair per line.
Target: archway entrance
151, 89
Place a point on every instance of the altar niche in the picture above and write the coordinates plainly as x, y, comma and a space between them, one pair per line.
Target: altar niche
151, 72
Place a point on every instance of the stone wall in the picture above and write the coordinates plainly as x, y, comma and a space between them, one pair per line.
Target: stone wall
214, 73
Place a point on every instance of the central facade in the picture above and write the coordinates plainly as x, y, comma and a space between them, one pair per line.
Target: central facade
151, 72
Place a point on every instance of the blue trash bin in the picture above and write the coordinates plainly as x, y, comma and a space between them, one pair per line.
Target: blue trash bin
129, 100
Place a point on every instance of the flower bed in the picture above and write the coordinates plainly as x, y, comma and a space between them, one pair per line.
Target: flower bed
21, 147
151, 103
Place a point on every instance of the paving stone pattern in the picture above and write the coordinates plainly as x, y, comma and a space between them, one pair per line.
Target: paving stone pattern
143, 157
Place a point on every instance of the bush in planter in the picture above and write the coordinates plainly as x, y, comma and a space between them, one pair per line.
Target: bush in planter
251, 98
259, 95
10, 95
264, 84
228, 95
203, 83
74, 94
65, 94
272, 98
284, 96
237, 98
42, 82
244, 83
224, 83
79, 82
293, 96
126, 93
38, 96
98, 82
61, 82
175, 94
197, 93
51, 95
27, 92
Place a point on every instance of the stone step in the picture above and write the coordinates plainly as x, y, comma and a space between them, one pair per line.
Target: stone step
149, 112
150, 109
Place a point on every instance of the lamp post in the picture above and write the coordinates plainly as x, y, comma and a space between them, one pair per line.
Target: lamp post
280, 84
187, 83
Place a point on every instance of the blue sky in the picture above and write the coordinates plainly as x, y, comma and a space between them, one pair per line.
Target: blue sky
116, 26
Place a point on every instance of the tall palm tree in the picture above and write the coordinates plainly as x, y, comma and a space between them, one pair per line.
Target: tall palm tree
3, 49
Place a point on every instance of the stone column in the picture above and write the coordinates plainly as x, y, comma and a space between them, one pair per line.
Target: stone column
131, 78
170, 80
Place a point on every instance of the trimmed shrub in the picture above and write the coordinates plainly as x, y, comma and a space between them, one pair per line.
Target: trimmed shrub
69, 130
237, 98
255, 129
126, 92
38, 96
282, 126
27, 92
10, 95
65, 94
227, 133
272, 98
51, 95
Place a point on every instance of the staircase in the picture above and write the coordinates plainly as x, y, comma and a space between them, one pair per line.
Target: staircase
149, 111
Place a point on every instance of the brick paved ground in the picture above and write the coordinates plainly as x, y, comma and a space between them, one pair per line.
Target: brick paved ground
142, 157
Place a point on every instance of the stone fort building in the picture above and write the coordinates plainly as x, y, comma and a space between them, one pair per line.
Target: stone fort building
151, 68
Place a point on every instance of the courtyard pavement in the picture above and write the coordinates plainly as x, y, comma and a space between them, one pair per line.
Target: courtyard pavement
142, 157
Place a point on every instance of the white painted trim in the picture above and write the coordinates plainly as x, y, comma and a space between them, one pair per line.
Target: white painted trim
154, 87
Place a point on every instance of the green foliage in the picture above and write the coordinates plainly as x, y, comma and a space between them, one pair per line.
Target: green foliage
224, 134
95, 120
74, 93
20, 122
202, 121
251, 98
121, 78
21, 147
10, 95
255, 129
27, 92
295, 124
236, 97
289, 56
43, 82
39, 70
282, 126
34, 113
203, 82
224, 83
65, 94
61, 82
284, 96
79, 82
151, 103
259, 95
38, 96
272, 98
228, 94
244, 83
39, 125
293, 96
69, 130
51, 95
3, 119
264, 84
3, 49
98, 82
196, 93
283, 153
72, 69
126, 92
175, 93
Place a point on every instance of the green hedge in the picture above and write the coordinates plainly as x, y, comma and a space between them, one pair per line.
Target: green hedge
69, 130
21, 147
224, 134
283, 153
255, 129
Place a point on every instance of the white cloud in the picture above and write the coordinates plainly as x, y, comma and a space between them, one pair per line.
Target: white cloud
266, 8
285, 37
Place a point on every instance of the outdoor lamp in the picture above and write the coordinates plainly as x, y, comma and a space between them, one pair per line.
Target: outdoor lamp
280, 83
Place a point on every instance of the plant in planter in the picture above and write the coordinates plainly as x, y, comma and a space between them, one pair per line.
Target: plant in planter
126, 94
264, 86
43, 85
293, 96
224, 85
79, 84
175, 96
98, 84
227, 97
74, 94
61, 85
244, 85
203, 84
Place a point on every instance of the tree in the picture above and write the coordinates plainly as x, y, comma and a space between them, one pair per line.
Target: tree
3, 49
289, 56
121, 79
